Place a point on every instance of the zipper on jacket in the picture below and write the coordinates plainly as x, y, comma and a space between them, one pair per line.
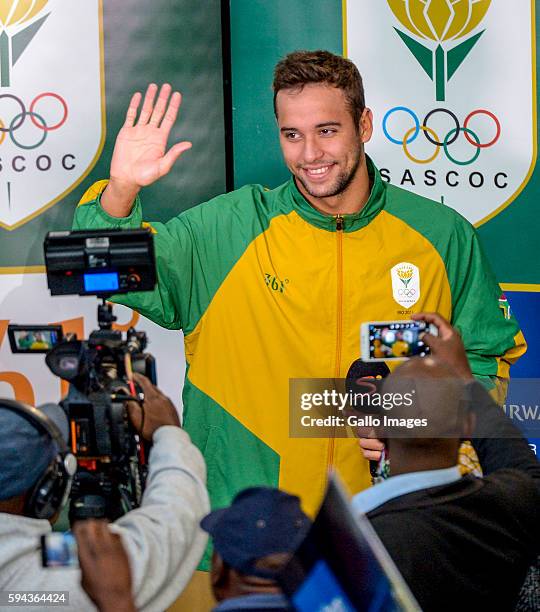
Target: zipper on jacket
339, 321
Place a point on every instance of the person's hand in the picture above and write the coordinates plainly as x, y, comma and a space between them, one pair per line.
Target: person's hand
105, 573
447, 346
157, 409
371, 447
139, 156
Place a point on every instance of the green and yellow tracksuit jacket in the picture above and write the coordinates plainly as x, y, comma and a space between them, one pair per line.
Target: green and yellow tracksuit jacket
266, 288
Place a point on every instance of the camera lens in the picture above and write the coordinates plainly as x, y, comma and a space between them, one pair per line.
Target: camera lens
68, 364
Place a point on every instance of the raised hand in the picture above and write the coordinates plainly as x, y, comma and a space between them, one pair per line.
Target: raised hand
140, 157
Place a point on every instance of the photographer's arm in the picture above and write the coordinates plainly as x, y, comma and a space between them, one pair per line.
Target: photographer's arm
162, 538
105, 574
496, 440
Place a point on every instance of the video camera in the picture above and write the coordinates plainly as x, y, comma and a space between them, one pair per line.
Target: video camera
111, 457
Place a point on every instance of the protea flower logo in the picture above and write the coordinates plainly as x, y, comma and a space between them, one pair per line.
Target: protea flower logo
405, 274
405, 283
20, 22
52, 111
441, 21
452, 85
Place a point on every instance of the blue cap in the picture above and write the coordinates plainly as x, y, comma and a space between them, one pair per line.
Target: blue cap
261, 521
26, 450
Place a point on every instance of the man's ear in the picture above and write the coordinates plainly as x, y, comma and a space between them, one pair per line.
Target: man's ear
366, 125
218, 571
469, 424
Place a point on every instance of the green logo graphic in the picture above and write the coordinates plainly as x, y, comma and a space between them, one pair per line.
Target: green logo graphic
274, 283
15, 36
442, 21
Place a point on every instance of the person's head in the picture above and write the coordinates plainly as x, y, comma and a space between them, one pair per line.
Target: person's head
323, 121
253, 540
438, 399
36, 465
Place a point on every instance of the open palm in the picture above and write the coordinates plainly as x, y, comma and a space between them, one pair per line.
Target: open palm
140, 156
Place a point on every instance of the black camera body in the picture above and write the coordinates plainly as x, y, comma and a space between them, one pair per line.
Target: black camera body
111, 456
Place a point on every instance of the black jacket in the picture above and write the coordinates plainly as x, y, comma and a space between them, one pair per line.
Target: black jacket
468, 545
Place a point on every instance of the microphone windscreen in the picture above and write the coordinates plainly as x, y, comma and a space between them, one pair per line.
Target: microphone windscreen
366, 369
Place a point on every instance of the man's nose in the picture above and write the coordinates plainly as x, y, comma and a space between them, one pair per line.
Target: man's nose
312, 149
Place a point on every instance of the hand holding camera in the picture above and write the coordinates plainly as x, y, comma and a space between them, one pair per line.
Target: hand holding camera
156, 410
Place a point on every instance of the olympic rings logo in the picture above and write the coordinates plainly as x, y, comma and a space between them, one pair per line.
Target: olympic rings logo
406, 292
36, 118
431, 136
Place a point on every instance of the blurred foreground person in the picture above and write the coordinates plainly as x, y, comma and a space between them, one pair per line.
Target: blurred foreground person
162, 538
253, 540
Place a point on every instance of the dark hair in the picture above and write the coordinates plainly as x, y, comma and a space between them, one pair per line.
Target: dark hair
302, 67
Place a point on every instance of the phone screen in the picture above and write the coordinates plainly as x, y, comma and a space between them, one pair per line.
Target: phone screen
59, 549
397, 340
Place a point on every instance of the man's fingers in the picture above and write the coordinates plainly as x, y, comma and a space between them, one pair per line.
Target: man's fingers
371, 448
135, 412
161, 105
371, 444
148, 104
147, 387
172, 112
131, 114
171, 156
365, 432
150, 390
372, 455
444, 327
434, 342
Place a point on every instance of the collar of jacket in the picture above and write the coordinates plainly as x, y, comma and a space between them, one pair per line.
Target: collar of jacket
351, 222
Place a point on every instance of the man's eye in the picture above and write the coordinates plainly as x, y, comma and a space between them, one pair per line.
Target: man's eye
327, 132
292, 135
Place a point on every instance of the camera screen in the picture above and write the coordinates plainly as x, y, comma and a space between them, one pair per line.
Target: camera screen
59, 550
33, 339
101, 281
396, 340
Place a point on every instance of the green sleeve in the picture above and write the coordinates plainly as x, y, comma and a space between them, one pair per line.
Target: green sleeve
493, 341
167, 304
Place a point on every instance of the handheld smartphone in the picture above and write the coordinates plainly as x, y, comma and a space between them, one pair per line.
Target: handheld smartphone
395, 340
34, 338
59, 549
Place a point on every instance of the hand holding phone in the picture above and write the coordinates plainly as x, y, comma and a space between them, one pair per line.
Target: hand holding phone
446, 345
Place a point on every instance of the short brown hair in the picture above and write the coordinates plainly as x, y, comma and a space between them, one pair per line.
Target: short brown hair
303, 67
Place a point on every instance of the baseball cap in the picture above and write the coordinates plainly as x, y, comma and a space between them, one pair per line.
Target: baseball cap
260, 521
25, 448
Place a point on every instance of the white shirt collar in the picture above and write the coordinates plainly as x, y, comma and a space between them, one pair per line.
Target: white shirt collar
402, 484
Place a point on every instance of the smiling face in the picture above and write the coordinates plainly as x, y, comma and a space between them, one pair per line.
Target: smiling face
322, 147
